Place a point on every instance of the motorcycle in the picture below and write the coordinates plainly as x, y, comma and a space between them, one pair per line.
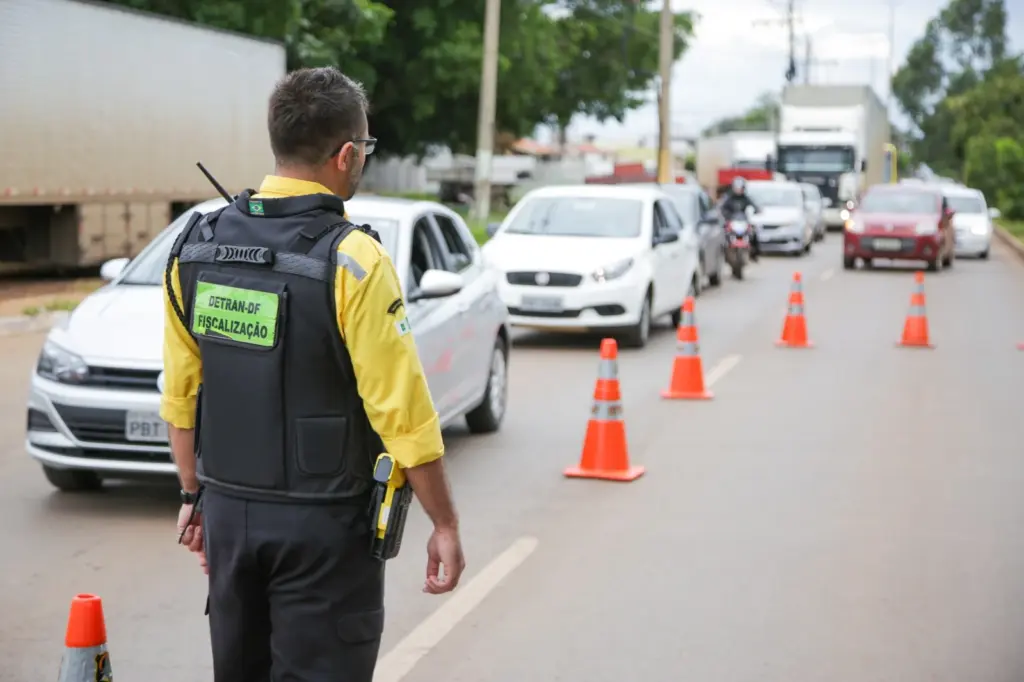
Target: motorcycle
737, 250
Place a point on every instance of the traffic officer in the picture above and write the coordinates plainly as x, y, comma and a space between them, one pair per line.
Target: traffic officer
289, 367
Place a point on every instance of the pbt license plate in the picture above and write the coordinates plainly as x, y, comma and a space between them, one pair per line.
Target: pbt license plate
542, 304
888, 244
145, 427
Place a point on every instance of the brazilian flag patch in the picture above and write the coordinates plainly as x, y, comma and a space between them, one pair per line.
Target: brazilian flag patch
256, 207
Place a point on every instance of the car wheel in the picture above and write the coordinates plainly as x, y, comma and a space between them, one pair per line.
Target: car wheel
983, 255
487, 416
72, 480
695, 283
935, 265
639, 333
715, 278
849, 263
947, 262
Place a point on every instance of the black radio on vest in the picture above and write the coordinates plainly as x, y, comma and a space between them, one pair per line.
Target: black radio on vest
278, 416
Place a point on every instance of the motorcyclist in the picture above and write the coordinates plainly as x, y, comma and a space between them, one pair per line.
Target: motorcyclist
735, 202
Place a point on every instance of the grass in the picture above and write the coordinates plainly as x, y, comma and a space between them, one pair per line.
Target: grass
53, 306
1014, 227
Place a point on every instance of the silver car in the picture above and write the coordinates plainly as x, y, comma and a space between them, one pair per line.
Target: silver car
93, 408
972, 220
815, 209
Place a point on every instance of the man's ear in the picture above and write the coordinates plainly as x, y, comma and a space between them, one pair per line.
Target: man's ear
343, 161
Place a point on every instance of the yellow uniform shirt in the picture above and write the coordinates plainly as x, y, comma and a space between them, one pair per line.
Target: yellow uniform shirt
388, 371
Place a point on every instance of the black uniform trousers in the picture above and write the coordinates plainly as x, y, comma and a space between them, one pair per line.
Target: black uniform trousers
294, 594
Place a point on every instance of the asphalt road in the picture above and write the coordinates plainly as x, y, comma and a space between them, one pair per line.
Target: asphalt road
846, 513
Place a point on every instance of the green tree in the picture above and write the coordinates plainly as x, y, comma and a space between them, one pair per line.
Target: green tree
420, 61
604, 57
761, 116
958, 48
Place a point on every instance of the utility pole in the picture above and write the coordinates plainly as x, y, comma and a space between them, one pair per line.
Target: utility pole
889, 57
665, 45
485, 114
791, 69
790, 22
808, 52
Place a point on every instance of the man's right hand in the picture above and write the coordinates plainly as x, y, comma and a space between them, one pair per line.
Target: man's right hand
444, 549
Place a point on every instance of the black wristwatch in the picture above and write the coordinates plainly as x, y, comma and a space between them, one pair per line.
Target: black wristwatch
189, 498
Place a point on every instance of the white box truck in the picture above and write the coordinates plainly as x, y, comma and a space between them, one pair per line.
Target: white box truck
741, 153
104, 113
833, 136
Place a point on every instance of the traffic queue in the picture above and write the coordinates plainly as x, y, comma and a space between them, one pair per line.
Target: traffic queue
606, 260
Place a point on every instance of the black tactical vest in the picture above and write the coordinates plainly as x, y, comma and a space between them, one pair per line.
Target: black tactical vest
279, 416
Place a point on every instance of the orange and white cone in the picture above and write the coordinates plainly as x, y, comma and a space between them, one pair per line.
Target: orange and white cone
794, 329
687, 381
915, 328
85, 643
605, 452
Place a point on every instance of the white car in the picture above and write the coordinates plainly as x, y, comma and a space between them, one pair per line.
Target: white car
93, 408
972, 220
594, 257
815, 209
784, 224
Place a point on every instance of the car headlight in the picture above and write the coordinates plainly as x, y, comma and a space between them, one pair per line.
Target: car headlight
927, 227
980, 230
844, 214
854, 225
61, 365
612, 270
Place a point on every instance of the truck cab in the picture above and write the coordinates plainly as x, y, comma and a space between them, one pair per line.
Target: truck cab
829, 160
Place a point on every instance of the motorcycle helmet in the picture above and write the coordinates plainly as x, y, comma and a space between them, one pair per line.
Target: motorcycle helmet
739, 184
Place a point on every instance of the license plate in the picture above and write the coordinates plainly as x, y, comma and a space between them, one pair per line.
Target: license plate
888, 244
145, 427
542, 304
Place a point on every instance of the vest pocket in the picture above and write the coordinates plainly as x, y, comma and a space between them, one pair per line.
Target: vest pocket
320, 445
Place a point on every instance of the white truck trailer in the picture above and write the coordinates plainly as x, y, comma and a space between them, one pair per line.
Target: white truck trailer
835, 137
746, 153
103, 114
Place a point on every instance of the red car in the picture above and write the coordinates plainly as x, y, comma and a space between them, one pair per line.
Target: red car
900, 222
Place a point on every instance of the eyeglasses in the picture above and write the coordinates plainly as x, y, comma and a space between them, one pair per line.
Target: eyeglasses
369, 142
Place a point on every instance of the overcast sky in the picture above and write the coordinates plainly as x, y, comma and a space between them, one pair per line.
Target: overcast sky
732, 60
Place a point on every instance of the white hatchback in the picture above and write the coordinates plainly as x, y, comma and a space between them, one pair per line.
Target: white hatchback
94, 398
594, 257
972, 220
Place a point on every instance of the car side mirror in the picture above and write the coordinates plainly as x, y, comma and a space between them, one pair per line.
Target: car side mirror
492, 229
436, 284
994, 213
667, 238
110, 270
863, 165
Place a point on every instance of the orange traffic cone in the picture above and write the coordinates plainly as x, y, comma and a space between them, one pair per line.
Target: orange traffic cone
605, 454
687, 381
915, 329
794, 330
85, 644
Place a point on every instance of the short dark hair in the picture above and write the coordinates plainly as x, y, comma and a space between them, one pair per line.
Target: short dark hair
312, 112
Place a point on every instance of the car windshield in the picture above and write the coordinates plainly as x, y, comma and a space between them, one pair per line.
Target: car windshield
578, 217
899, 202
966, 204
148, 267
815, 159
771, 194
387, 228
686, 202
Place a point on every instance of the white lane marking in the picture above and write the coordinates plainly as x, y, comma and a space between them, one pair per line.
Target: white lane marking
726, 365
827, 275
400, 661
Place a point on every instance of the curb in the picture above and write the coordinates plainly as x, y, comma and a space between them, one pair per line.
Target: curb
1010, 241
28, 324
